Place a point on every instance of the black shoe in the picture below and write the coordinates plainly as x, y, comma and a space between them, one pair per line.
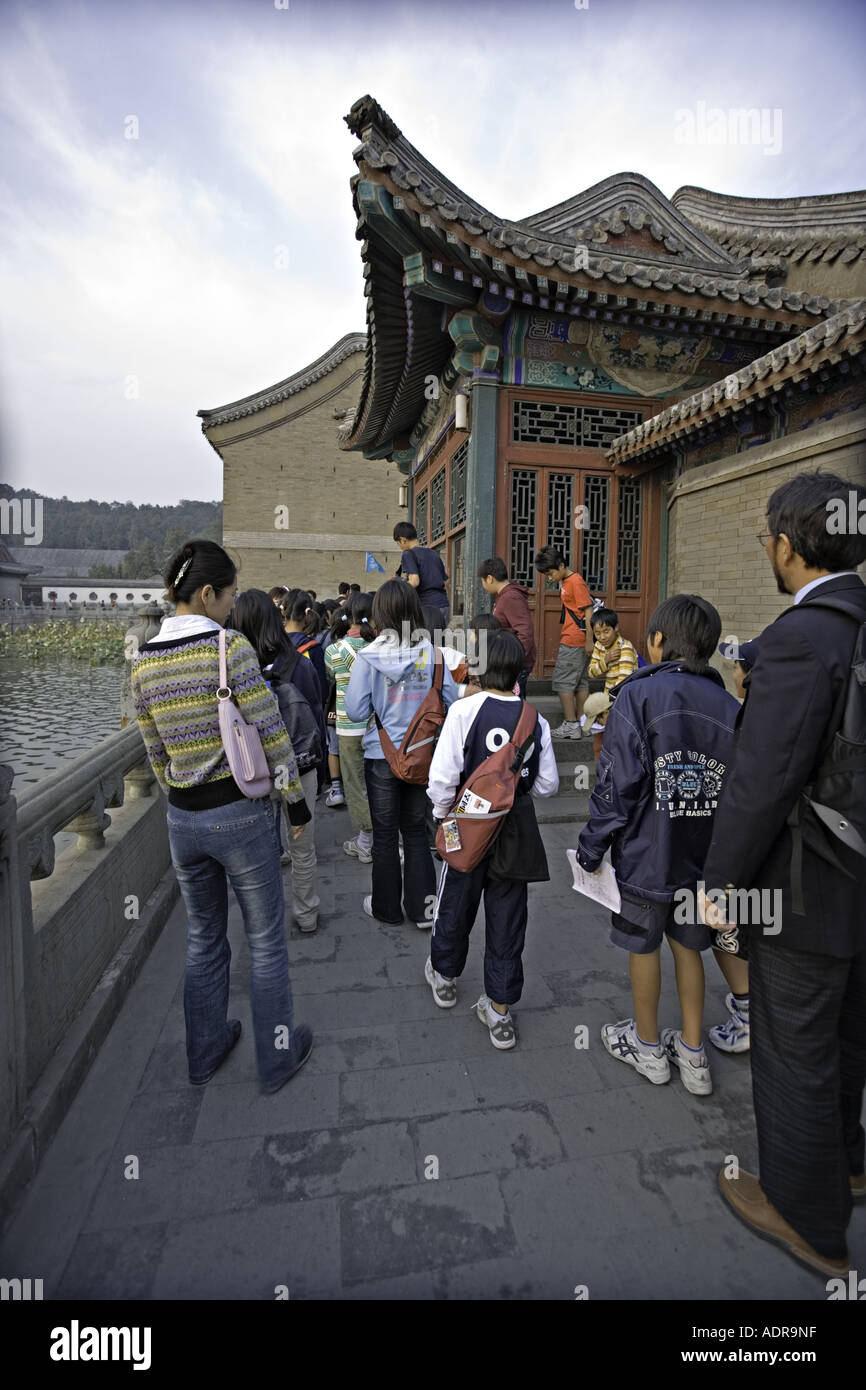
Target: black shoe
301, 1050
235, 1025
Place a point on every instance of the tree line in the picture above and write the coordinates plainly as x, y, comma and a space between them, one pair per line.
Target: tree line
146, 532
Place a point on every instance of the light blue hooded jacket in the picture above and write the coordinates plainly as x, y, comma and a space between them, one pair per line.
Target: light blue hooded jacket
392, 681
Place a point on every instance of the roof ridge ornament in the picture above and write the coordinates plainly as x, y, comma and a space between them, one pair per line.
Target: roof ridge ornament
367, 112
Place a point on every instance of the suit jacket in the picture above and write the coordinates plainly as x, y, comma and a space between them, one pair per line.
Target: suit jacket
781, 735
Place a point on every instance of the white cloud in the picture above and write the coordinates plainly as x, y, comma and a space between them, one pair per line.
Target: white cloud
130, 258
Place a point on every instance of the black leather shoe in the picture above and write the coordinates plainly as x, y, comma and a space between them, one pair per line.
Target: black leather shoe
303, 1046
235, 1025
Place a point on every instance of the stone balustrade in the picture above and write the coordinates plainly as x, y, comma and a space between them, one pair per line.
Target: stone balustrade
75, 927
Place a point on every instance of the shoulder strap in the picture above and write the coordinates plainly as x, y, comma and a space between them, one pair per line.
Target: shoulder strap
305, 646
795, 819
438, 670
224, 683
291, 661
837, 605
522, 736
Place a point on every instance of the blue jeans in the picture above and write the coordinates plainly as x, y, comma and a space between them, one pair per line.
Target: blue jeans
234, 844
398, 807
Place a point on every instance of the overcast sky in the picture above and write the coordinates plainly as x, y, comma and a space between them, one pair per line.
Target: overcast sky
148, 265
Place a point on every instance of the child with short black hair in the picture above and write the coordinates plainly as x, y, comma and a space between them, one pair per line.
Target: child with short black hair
613, 656
666, 749
473, 728
570, 680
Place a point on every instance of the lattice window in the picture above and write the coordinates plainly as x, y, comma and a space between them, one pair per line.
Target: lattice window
524, 507
600, 425
534, 422
437, 506
457, 498
593, 561
560, 512
421, 516
628, 536
458, 576
587, 426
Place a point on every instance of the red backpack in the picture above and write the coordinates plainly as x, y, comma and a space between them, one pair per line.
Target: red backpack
485, 799
411, 761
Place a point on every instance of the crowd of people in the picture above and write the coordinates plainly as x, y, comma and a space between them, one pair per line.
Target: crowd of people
731, 822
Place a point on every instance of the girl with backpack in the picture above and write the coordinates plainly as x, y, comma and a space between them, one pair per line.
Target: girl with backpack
476, 728
390, 681
297, 608
293, 681
351, 630
217, 834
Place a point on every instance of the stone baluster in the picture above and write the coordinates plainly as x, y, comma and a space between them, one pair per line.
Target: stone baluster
147, 623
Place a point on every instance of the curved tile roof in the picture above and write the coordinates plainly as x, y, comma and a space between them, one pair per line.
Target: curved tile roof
384, 149
823, 227
843, 334
272, 395
637, 250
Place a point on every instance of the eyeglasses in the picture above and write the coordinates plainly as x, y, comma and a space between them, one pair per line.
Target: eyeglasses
764, 536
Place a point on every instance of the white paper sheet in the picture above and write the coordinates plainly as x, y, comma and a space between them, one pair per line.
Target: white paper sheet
602, 887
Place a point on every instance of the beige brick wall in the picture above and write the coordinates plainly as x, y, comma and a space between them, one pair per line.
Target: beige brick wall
287, 456
719, 509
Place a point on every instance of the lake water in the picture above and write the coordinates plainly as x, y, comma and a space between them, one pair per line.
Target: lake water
52, 712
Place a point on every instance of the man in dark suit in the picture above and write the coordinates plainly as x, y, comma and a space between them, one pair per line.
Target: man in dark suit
806, 944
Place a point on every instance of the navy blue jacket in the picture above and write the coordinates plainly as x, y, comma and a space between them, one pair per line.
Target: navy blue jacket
803, 663
666, 751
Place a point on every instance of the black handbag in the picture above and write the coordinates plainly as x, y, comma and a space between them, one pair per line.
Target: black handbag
518, 852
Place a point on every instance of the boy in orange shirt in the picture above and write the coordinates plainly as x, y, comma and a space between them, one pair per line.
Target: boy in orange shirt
570, 679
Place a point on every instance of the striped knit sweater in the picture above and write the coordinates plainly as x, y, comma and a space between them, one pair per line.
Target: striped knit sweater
174, 684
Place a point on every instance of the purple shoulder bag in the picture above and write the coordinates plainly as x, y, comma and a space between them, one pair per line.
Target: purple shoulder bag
241, 741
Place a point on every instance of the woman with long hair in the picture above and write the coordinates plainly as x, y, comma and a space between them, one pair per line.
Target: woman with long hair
290, 676
217, 835
350, 631
390, 678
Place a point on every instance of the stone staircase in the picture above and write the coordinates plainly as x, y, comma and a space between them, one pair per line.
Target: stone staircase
569, 805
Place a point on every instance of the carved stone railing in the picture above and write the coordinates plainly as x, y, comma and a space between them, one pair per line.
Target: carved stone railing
64, 919
76, 797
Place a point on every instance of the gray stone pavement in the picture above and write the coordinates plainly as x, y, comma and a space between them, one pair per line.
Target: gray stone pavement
557, 1166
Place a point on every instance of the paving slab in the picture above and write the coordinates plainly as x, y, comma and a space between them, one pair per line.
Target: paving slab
557, 1168
430, 1226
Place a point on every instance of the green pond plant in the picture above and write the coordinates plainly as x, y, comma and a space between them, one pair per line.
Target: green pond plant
98, 641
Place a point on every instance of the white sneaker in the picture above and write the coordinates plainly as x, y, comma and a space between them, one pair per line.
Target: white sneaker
621, 1041
444, 990
733, 1034
694, 1067
567, 730
357, 851
335, 798
501, 1026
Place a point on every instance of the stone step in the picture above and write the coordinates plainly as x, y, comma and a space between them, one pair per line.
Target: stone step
556, 810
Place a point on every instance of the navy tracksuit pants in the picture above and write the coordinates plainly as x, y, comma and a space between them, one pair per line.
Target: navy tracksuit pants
505, 911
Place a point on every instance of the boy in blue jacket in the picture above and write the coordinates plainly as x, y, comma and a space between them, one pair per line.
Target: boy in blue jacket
666, 750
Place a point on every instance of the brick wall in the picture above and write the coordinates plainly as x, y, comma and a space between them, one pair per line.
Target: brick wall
287, 455
720, 508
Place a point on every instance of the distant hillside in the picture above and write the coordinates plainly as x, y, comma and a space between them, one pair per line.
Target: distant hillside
121, 525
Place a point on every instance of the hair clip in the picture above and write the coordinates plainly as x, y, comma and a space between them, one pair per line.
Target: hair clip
182, 571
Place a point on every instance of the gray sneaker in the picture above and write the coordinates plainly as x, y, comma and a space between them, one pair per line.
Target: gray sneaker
567, 730
501, 1026
694, 1067
444, 990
